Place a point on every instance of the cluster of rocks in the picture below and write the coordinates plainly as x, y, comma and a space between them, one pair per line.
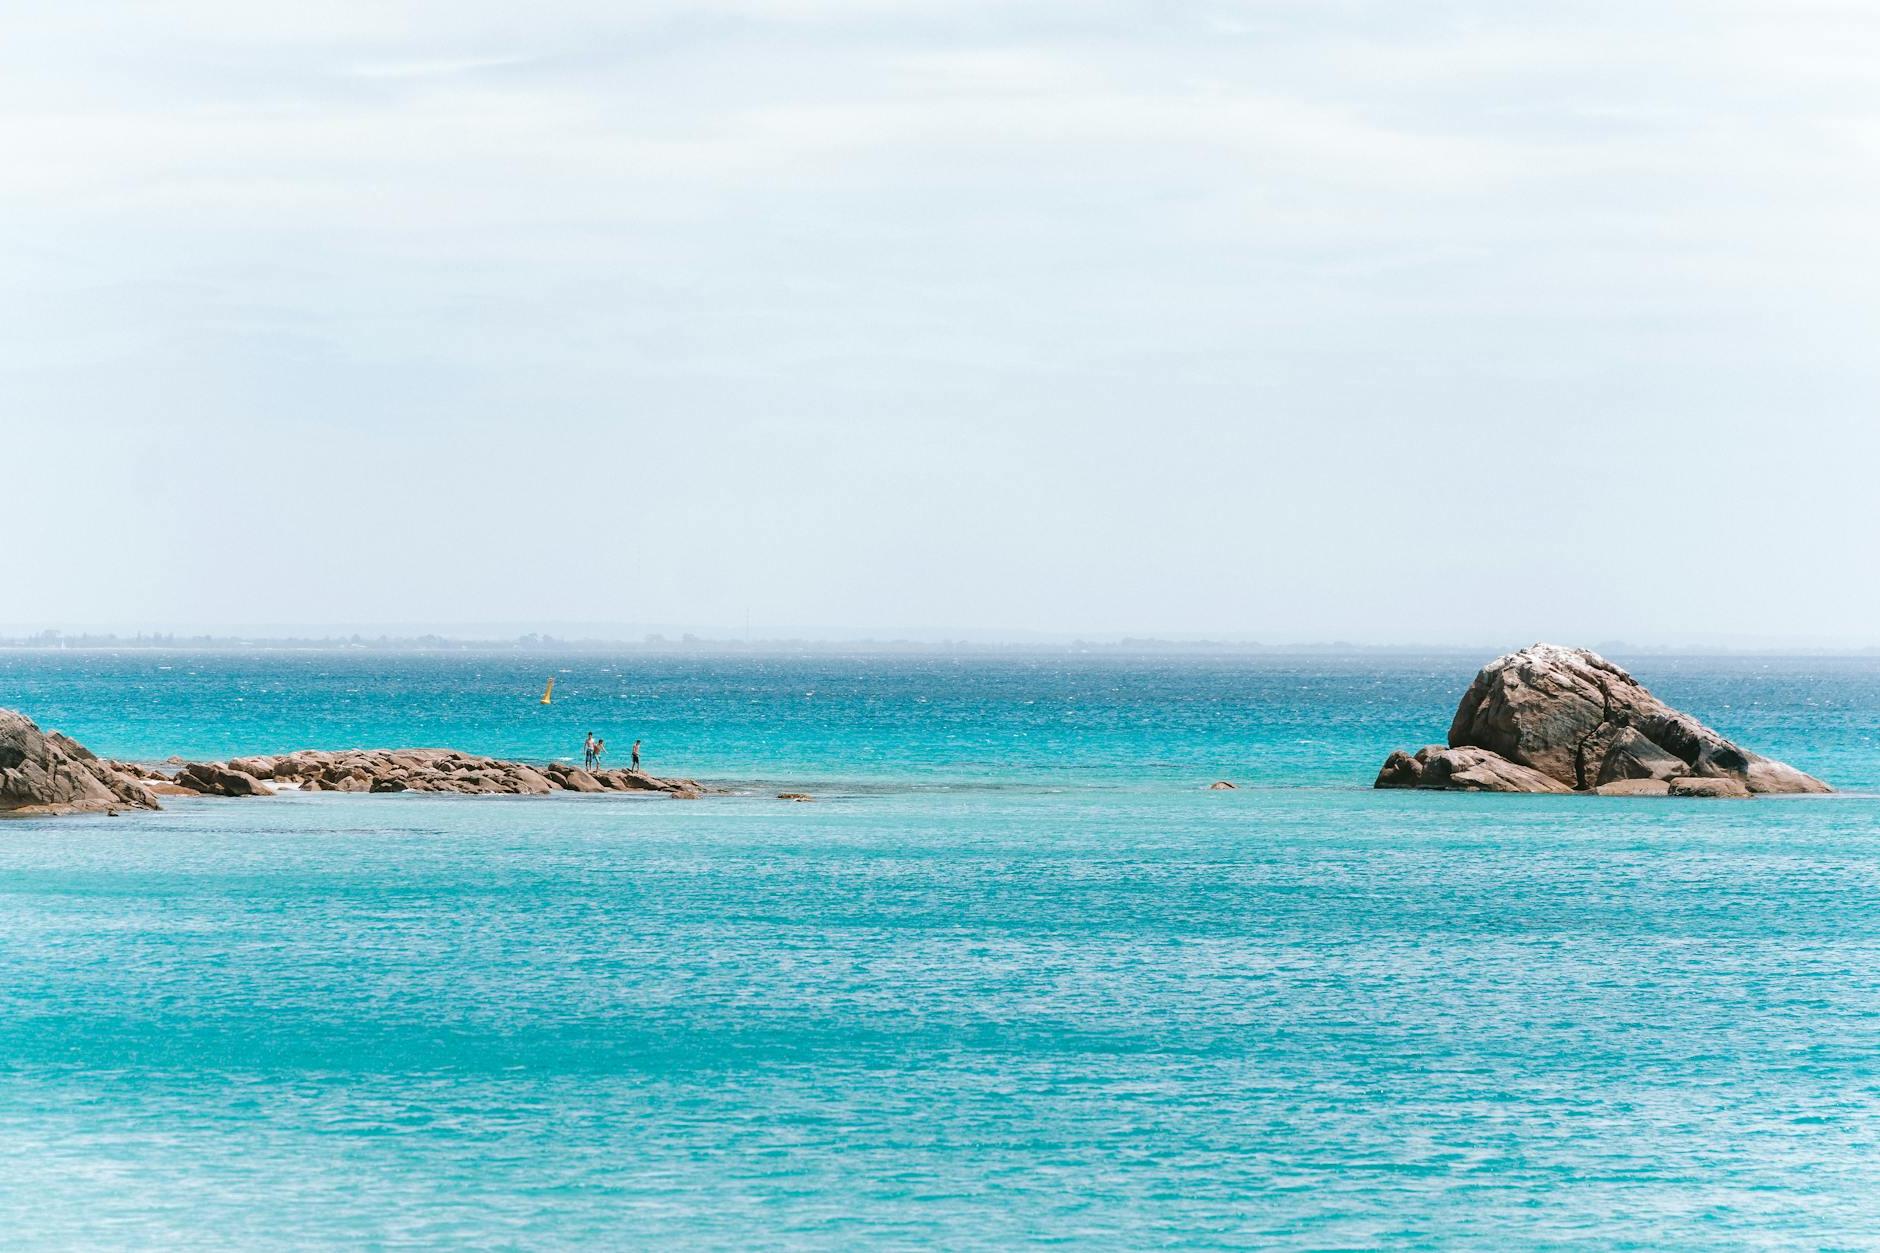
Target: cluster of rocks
1553, 719
412, 770
43, 772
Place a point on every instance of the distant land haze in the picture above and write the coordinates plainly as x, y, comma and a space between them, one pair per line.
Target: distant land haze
705, 642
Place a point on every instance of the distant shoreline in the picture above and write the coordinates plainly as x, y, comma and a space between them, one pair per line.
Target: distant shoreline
693, 646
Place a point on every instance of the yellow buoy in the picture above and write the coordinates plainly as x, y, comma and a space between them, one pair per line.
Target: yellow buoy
548, 693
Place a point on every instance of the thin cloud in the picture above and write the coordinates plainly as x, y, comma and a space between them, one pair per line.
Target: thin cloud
1286, 302
443, 68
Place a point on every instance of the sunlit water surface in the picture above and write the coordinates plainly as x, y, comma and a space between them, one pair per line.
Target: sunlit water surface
1014, 975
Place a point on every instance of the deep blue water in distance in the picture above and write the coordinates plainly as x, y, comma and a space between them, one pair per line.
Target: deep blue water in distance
1015, 976
1276, 721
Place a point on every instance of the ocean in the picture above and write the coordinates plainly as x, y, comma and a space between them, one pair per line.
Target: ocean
1015, 976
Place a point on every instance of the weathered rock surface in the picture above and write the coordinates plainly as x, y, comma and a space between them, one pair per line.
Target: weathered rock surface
44, 772
1581, 723
577, 781
413, 770
1463, 770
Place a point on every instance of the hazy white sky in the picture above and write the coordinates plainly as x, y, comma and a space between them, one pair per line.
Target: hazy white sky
1372, 319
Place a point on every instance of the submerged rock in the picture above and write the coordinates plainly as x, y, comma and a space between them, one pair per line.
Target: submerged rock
1580, 723
44, 772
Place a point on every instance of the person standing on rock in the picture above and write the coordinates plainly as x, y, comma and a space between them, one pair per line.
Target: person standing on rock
587, 752
636, 756
600, 750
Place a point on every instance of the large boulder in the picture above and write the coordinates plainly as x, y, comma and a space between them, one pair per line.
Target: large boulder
48, 773
1583, 723
1624, 753
573, 780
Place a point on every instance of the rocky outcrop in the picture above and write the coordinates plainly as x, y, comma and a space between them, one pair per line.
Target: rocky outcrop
1549, 719
412, 770
44, 772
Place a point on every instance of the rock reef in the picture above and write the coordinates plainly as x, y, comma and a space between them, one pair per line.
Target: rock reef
44, 772
1553, 719
412, 770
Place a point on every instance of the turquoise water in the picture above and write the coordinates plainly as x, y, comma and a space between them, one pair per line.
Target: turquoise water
1151, 722
1014, 977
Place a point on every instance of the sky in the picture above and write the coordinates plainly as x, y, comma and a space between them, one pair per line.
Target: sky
1374, 320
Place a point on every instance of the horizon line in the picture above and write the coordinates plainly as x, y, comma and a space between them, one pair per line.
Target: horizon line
341, 639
